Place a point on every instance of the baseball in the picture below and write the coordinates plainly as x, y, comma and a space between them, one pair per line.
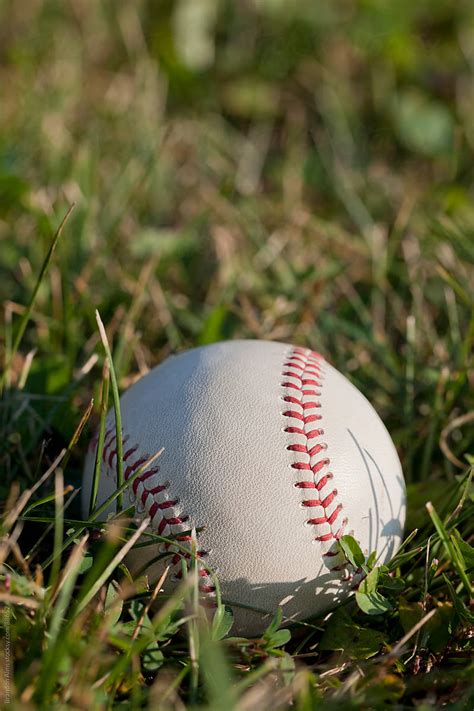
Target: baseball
272, 455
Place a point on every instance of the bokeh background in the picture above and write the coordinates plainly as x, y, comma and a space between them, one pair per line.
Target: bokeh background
258, 169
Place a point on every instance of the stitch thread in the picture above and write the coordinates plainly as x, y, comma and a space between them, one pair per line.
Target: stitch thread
302, 381
154, 498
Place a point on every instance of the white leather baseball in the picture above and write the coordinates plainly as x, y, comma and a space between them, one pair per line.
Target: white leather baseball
275, 455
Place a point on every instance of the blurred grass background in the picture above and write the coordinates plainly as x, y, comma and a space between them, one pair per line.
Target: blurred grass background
260, 169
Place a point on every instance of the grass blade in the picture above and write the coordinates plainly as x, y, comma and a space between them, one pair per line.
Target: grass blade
450, 549
104, 400
26, 316
58, 526
56, 640
116, 401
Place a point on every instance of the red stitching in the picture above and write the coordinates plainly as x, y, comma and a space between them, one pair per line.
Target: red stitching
177, 556
207, 589
108, 443
299, 430
132, 468
155, 498
302, 418
305, 368
129, 453
294, 400
146, 475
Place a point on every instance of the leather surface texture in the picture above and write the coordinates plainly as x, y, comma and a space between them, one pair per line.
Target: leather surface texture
273, 454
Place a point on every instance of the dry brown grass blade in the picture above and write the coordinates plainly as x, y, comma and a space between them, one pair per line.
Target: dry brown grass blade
9, 541
150, 602
19, 600
455, 424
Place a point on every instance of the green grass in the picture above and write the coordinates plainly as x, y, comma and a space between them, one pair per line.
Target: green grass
246, 171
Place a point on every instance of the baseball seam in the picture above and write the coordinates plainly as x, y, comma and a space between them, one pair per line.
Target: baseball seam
152, 496
302, 382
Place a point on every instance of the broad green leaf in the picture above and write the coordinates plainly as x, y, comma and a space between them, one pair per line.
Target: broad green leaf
344, 634
386, 581
153, 658
371, 560
369, 583
352, 551
222, 622
373, 603
279, 638
274, 624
